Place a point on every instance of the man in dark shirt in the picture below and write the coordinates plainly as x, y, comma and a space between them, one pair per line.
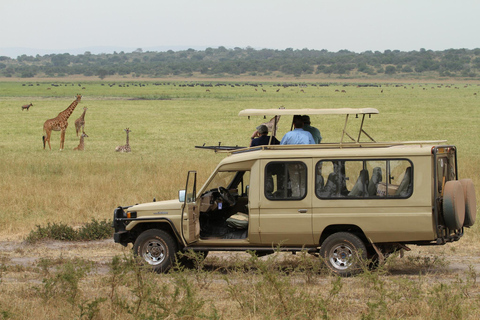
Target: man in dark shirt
263, 139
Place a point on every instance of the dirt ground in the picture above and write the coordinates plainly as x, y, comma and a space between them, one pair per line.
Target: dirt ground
20, 255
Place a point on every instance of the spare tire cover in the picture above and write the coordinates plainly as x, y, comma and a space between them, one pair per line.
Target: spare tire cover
453, 205
470, 202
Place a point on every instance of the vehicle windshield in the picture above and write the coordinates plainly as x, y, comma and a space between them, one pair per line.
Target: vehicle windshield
222, 179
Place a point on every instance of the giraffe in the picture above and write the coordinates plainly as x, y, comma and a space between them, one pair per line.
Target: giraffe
59, 123
126, 147
81, 145
27, 106
80, 122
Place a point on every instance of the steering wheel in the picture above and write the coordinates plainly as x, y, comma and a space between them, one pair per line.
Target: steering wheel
226, 196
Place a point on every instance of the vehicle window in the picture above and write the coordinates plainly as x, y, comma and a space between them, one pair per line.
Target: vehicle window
222, 179
445, 172
364, 179
285, 180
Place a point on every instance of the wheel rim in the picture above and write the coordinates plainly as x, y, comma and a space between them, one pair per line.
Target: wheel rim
154, 252
341, 256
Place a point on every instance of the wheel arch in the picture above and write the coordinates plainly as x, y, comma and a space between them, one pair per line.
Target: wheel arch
351, 228
165, 225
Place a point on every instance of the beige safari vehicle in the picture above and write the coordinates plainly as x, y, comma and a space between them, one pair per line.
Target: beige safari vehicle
342, 201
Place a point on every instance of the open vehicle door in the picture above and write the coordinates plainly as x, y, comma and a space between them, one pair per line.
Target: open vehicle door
191, 213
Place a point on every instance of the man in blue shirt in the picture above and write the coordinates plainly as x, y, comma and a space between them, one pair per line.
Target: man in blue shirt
314, 131
264, 139
297, 135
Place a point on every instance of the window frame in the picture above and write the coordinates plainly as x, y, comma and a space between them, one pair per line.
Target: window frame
265, 176
364, 161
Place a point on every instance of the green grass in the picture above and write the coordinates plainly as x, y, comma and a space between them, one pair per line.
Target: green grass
41, 186
45, 192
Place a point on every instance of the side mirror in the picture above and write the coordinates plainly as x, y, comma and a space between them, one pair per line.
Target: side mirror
181, 195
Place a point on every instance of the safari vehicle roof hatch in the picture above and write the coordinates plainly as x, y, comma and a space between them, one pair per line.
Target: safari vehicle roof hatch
341, 111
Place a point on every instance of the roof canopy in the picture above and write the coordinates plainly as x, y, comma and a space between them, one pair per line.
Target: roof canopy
281, 112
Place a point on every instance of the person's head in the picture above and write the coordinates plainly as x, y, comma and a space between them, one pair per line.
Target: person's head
306, 119
262, 129
297, 121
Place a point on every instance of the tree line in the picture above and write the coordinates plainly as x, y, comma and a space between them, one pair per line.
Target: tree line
248, 61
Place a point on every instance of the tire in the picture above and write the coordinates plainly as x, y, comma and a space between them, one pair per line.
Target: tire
453, 205
470, 202
156, 248
343, 253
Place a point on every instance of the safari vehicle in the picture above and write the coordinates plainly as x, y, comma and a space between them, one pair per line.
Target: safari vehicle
342, 201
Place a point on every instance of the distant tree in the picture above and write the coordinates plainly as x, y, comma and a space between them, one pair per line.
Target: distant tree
102, 73
61, 60
27, 74
390, 70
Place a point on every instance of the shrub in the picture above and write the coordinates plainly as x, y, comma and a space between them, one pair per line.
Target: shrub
52, 231
94, 230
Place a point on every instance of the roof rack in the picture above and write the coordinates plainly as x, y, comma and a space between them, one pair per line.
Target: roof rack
384, 144
341, 111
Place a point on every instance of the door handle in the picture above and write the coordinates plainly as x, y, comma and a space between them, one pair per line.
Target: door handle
303, 210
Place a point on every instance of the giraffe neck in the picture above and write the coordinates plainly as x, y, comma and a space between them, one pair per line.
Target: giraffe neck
127, 139
65, 114
83, 114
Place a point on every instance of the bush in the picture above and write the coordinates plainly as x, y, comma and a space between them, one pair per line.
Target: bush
95, 230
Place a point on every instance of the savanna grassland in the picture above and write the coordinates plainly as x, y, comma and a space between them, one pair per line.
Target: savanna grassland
99, 280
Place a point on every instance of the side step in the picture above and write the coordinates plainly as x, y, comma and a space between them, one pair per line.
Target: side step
258, 249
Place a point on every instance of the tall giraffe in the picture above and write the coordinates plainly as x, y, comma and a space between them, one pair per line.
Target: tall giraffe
80, 122
59, 123
126, 147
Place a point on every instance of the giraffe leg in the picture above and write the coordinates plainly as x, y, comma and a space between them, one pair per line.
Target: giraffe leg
62, 139
46, 138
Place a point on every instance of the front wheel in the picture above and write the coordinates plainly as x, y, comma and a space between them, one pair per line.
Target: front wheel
343, 253
157, 248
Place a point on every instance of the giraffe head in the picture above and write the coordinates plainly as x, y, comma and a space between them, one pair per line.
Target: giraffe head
79, 97
84, 135
127, 130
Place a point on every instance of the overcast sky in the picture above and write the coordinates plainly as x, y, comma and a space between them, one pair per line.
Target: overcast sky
406, 25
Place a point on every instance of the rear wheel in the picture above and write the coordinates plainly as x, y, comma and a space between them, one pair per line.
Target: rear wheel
343, 253
453, 205
157, 248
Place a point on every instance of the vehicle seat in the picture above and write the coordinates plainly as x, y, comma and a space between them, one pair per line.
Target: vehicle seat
405, 187
332, 187
376, 178
238, 221
320, 183
360, 189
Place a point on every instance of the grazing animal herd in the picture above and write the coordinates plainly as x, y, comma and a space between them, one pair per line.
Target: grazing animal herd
60, 123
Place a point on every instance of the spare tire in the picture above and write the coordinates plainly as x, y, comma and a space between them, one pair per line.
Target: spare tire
453, 205
470, 202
